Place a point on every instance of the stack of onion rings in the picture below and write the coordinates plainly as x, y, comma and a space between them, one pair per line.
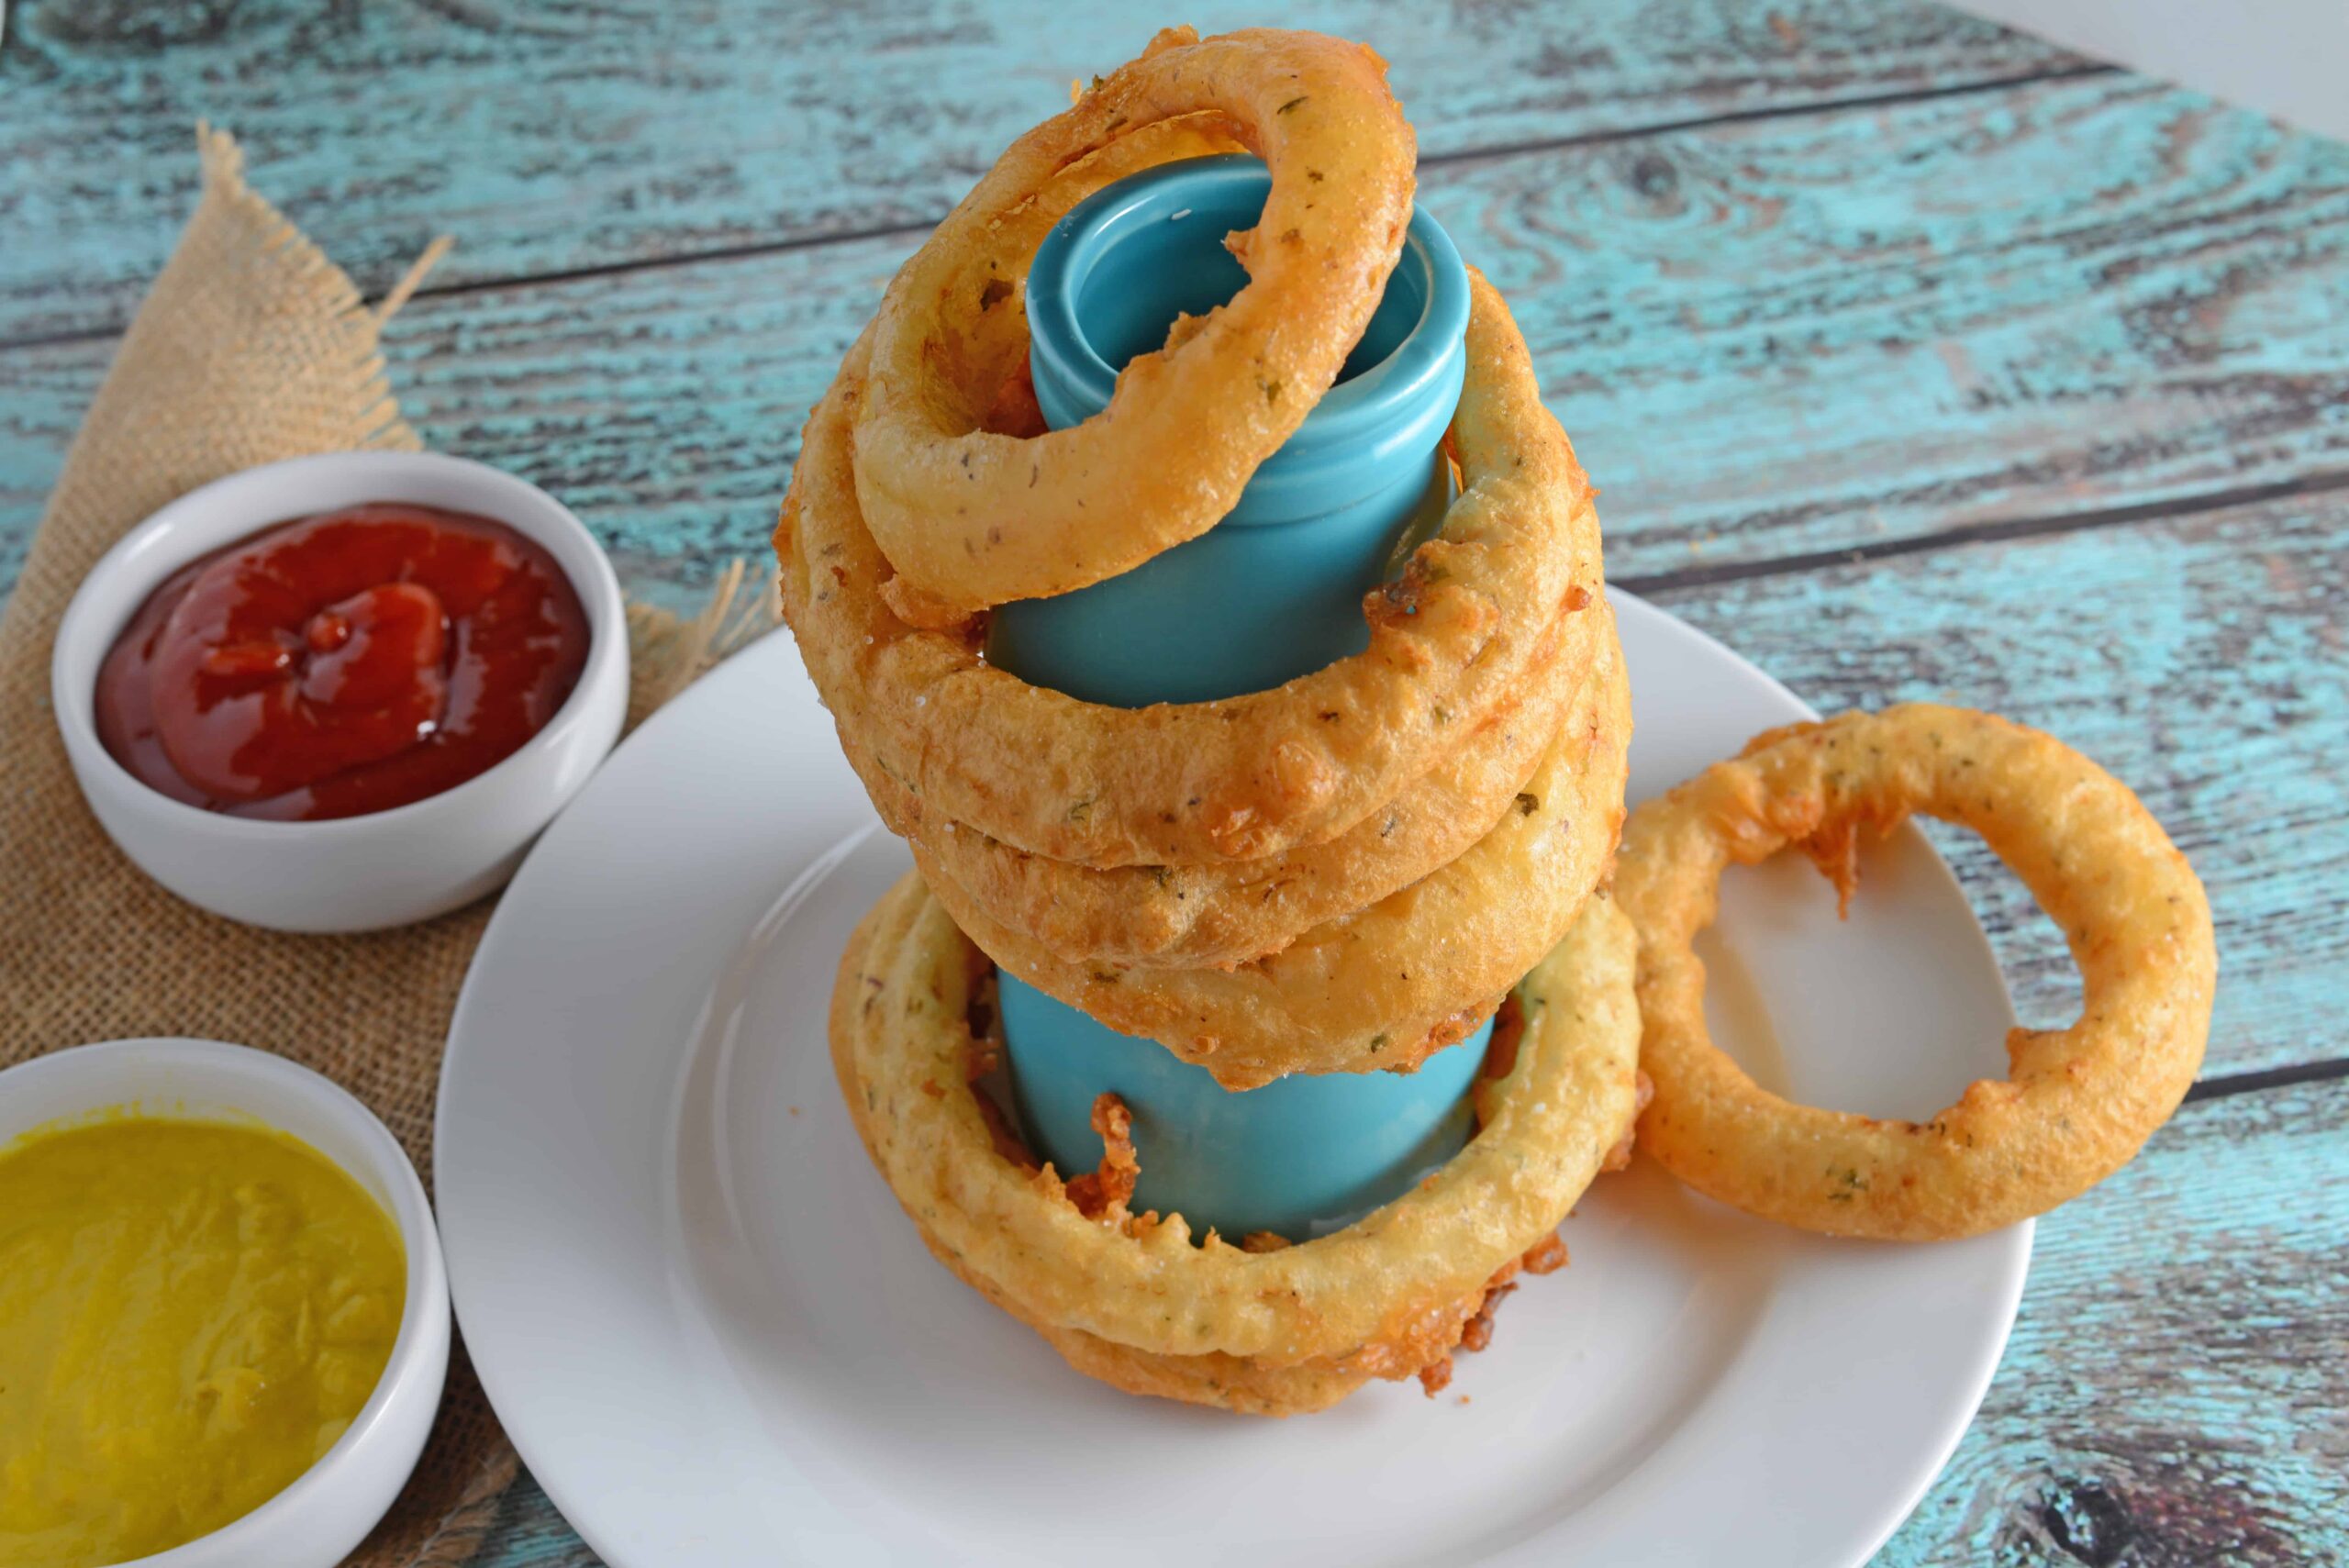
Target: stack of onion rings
1359, 927
1345, 873
2079, 1101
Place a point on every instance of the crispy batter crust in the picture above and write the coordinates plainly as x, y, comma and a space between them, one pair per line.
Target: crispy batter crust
1383, 1297
1366, 990
1197, 915
971, 518
1351, 952
1459, 640
2079, 1101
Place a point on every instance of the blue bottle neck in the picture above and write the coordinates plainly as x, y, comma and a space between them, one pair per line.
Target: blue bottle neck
1273, 590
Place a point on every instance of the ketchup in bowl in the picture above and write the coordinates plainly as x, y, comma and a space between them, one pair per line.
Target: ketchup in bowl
342, 663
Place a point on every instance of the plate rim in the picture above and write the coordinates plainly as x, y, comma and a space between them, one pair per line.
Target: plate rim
580, 1513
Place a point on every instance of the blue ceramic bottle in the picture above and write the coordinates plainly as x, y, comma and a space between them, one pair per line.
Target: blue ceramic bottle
1272, 592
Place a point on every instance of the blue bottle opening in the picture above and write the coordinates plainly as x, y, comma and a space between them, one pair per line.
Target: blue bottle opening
1275, 590
1116, 281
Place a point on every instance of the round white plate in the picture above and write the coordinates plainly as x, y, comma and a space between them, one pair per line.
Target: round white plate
715, 1340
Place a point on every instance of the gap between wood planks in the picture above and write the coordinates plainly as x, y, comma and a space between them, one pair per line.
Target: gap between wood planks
1746, 117
2228, 1084
2036, 527
915, 228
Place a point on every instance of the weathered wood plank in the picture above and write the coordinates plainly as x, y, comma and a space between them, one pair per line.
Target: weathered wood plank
2204, 659
2173, 1394
1768, 338
1803, 335
590, 132
2175, 1390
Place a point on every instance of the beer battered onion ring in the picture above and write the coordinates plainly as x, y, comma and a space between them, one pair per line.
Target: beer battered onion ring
1454, 642
1189, 917
2079, 1101
973, 519
1135, 1299
1371, 988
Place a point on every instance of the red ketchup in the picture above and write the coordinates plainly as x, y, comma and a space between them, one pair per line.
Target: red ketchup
344, 664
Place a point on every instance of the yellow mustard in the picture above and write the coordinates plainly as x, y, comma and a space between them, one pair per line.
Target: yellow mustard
191, 1313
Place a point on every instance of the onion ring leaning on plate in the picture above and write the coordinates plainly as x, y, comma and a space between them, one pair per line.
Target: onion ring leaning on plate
2079, 1101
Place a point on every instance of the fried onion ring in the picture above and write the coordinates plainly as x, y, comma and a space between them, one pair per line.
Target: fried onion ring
1454, 641
1239, 1384
1190, 917
1368, 989
1136, 1299
2078, 1102
971, 518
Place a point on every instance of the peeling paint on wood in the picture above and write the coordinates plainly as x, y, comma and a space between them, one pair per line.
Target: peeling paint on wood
2177, 1390
1799, 334
559, 134
1802, 335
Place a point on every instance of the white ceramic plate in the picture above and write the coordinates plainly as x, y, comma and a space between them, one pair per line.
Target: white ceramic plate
715, 1340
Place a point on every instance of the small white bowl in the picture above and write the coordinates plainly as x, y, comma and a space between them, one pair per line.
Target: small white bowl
315, 1522
348, 874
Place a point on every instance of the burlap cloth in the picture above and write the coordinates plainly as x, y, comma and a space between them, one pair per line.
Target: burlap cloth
251, 347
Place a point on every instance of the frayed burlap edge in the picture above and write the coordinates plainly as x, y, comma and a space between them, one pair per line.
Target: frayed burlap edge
250, 348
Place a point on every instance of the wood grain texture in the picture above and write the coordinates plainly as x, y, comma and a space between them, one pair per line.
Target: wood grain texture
582, 133
2176, 1393
1798, 336
1791, 335
2087, 309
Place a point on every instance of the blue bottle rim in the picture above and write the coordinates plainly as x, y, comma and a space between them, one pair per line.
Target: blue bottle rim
1403, 402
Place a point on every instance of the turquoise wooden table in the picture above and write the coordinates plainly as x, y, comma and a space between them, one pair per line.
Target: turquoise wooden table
1916, 358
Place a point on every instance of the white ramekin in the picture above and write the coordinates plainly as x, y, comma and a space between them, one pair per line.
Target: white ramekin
315, 1522
350, 874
